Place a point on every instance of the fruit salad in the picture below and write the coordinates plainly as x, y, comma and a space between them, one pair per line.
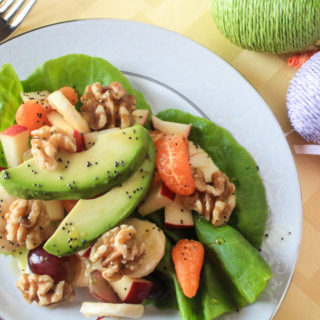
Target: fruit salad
98, 192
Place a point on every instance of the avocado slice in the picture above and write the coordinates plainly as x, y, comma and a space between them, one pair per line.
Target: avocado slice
114, 157
91, 218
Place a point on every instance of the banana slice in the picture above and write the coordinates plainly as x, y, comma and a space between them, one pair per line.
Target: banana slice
121, 310
61, 104
155, 242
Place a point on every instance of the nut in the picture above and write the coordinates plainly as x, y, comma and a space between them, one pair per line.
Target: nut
215, 202
43, 290
107, 107
117, 252
27, 223
46, 142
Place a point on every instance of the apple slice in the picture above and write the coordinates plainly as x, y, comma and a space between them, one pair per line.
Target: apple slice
15, 142
90, 138
79, 140
158, 197
54, 209
176, 216
100, 288
57, 120
38, 96
61, 104
198, 158
140, 116
131, 290
171, 127
121, 310
81, 277
154, 241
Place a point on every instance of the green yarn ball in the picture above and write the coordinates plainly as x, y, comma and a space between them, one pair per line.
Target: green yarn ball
273, 26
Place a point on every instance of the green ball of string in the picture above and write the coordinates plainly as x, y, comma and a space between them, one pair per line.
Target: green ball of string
271, 26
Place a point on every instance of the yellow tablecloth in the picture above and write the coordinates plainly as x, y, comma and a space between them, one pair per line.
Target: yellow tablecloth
269, 74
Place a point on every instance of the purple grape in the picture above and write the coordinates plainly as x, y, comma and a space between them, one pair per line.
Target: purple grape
41, 262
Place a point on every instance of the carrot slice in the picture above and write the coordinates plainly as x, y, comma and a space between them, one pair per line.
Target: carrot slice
187, 256
70, 94
172, 163
32, 115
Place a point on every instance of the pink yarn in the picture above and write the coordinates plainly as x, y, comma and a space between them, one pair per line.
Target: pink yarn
297, 60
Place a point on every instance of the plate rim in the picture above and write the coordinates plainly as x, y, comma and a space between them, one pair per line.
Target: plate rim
267, 108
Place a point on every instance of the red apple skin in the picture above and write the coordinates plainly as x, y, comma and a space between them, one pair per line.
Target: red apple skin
166, 192
138, 292
178, 226
101, 289
14, 130
86, 253
79, 140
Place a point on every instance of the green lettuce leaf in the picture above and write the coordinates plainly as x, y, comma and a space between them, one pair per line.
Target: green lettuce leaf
241, 262
10, 100
78, 71
250, 214
216, 300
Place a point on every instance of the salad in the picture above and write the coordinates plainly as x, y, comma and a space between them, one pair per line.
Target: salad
97, 192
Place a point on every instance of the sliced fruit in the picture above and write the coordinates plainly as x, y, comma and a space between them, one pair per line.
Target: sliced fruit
70, 94
61, 104
81, 277
171, 127
115, 156
32, 115
131, 290
79, 140
54, 209
105, 211
91, 138
121, 310
201, 160
15, 142
155, 242
101, 289
187, 256
140, 116
37, 96
176, 216
158, 197
173, 166
57, 120
156, 136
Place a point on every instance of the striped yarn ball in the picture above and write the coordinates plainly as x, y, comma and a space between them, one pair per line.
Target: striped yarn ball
303, 100
273, 26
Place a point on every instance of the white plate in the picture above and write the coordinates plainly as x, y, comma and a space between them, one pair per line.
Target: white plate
173, 71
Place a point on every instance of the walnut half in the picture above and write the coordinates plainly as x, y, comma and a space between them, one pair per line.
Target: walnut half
47, 141
107, 107
43, 290
215, 202
28, 223
117, 252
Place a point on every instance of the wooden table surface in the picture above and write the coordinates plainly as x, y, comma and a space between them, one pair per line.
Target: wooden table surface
269, 74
